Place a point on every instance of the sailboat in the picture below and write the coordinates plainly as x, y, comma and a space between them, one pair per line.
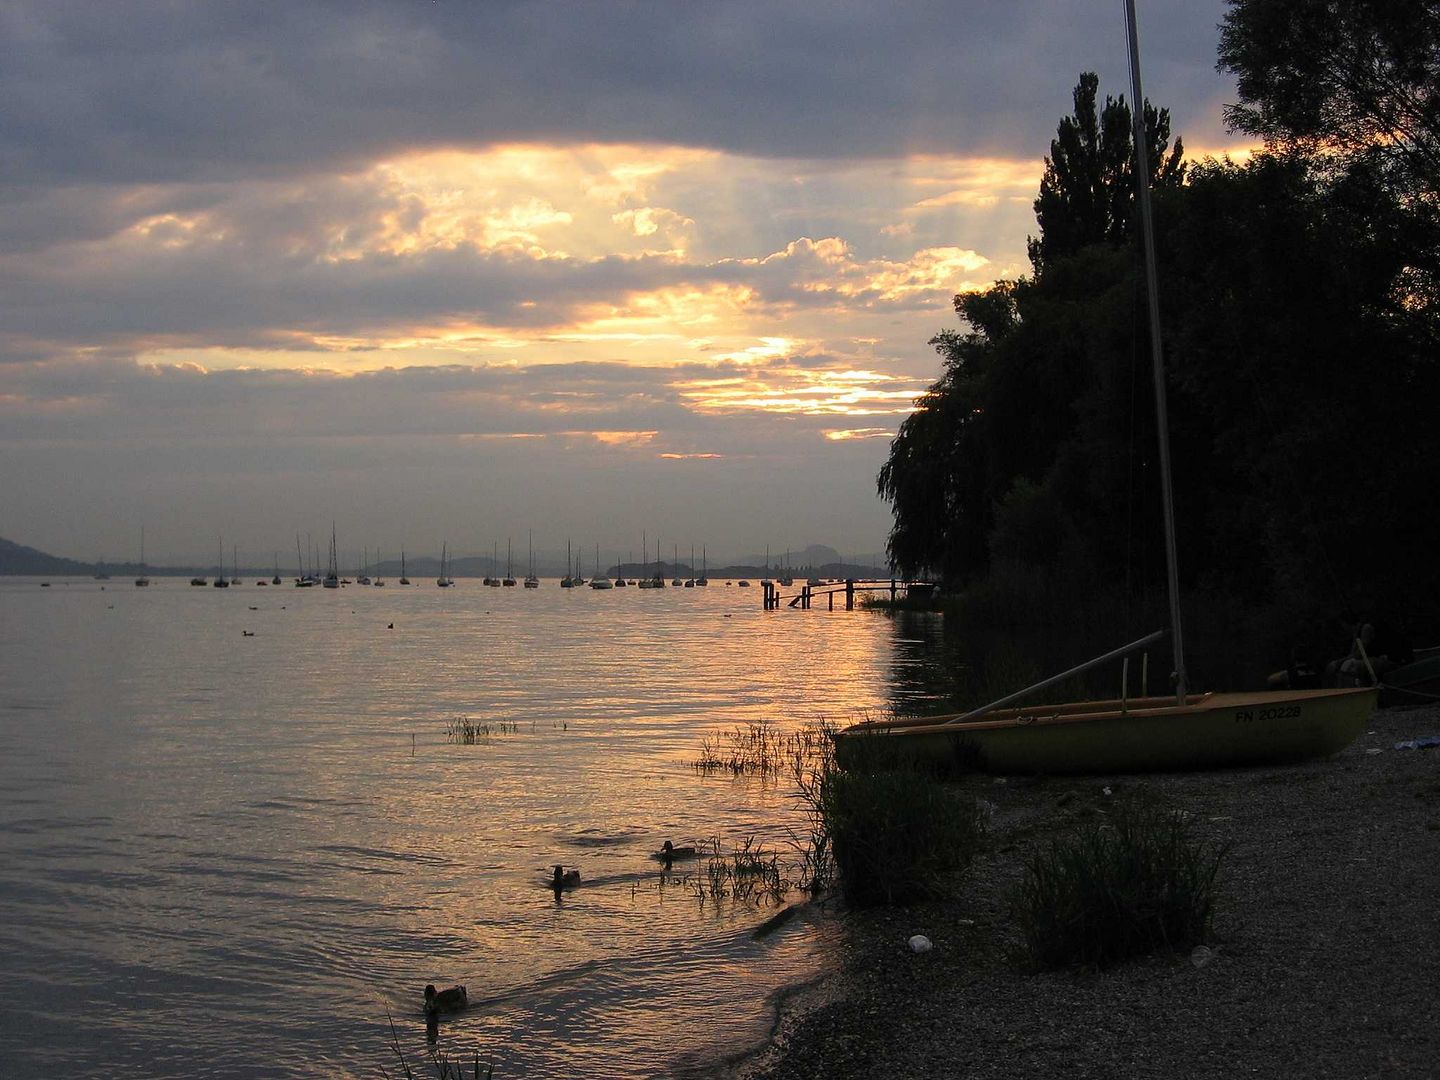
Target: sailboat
620, 582
600, 580
276, 579
690, 581
332, 572
404, 578
221, 582
567, 582
144, 579
444, 579
1183, 731
675, 566
234, 565
531, 581
304, 581
378, 579
704, 578
363, 577
491, 579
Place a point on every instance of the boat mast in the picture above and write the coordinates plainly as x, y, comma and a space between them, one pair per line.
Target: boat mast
1162, 419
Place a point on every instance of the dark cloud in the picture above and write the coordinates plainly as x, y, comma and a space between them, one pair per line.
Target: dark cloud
154, 92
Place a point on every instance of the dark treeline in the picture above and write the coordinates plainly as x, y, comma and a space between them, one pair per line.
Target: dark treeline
1301, 319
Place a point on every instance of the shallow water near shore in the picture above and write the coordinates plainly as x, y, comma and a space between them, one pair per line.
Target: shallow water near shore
235, 856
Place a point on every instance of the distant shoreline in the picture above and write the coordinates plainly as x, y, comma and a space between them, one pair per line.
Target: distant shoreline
1326, 942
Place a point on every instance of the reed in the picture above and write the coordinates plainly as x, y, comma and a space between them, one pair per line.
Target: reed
897, 835
468, 732
1134, 882
758, 749
445, 1067
748, 875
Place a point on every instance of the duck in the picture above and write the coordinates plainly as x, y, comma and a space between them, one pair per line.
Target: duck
247, 633
565, 879
452, 1000
669, 851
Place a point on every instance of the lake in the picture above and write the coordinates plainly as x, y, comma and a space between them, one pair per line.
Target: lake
238, 840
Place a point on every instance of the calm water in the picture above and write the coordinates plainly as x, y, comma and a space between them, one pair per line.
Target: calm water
232, 856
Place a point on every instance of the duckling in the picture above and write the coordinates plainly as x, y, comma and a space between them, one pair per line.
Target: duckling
565, 879
452, 1000
669, 851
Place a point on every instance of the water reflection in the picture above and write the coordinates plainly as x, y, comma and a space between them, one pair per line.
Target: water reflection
277, 836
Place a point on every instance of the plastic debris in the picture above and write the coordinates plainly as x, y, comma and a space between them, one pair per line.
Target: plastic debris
1419, 744
1201, 955
920, 943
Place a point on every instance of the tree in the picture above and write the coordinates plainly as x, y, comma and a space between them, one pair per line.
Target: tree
1087, 195
1354, 79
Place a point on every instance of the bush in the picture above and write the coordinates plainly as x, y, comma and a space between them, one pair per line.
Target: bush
897, 835
1134, 884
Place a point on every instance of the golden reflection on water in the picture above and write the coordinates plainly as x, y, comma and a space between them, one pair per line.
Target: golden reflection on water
286, 809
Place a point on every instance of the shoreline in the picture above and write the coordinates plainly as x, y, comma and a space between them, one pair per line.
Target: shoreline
1325, 950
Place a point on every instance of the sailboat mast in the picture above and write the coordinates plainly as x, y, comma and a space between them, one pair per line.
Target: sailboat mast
1162, 416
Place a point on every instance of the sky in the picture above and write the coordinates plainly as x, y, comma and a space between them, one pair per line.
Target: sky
457, 271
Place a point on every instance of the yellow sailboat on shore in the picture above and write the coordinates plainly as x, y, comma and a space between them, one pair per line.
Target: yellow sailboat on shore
1183, 731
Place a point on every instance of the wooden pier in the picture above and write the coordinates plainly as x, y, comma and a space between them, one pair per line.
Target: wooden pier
807, 594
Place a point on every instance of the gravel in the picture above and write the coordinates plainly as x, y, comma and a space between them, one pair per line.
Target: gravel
1324, 959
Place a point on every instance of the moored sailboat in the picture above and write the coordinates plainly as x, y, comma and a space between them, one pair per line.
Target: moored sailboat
1183, 731
444, 580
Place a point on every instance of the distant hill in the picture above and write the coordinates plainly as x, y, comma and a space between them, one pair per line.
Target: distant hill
18, 559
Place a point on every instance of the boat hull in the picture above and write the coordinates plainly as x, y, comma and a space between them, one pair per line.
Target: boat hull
1142, 735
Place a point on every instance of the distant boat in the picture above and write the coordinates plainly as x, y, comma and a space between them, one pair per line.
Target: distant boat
332, 573
704, 578
403, 579
531, 581
492, 579
567, 582
743, 583
378, 580
444, 579
363, 578
276, 579
221, 582
144, 578
100, 574
600, 580
234, 566
676, 582
304, 581
194, 581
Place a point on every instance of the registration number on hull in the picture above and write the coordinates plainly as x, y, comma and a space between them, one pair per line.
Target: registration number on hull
1280, 712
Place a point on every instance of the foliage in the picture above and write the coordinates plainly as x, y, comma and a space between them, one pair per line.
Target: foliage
1300, 333
897, 834
1133, 884
1341, 81
1087, 195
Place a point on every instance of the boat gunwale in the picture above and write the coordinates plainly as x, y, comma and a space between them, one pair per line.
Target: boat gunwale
1080, 712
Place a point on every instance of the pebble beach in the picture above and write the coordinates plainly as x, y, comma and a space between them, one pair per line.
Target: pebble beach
1324, 959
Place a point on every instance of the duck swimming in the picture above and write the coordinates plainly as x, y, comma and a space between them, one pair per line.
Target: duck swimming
565, 879
669, 851
452, 1000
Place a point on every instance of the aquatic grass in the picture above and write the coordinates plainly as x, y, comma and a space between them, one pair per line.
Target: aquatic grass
445, 1067
897, 835
1134, 882
747, 875
468, 732
758, 749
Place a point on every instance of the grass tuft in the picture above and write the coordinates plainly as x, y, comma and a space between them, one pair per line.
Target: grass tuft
897, 834
468, 732
1134, 883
